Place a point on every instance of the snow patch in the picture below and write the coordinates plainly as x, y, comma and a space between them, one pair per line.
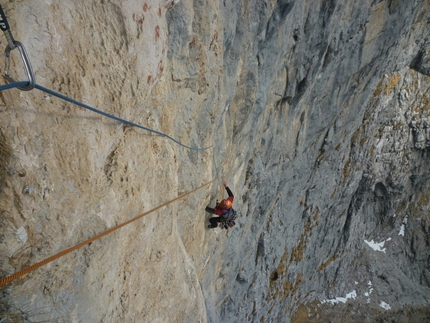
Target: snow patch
336, 300
367, 294
402, 227
385, 305
377, 246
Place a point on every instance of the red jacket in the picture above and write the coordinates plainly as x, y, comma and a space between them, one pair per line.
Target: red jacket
220, 211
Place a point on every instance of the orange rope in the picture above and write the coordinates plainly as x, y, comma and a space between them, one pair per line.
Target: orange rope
20, 273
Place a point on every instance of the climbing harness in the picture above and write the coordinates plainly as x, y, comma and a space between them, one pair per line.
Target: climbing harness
20, 273
31, 83
224, 224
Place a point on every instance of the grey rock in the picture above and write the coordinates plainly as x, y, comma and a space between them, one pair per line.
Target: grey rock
318, 114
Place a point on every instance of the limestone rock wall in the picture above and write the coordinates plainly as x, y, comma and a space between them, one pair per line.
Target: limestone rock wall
317, 114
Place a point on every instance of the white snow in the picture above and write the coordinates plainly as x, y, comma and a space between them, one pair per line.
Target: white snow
336, 300
367, 294
402, 227
385, 305
377, 246
402, 230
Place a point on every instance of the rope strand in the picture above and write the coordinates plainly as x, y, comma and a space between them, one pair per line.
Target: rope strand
27, 270
108, 115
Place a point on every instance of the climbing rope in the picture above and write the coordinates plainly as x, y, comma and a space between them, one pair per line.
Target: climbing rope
83, 105
27, 270
61, 96
9, 86
27, 86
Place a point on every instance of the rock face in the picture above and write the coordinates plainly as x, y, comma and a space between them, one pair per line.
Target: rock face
317, 113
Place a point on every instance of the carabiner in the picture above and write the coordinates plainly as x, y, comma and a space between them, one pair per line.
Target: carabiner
28, 69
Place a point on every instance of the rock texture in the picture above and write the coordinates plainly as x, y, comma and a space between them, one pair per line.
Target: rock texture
317, 113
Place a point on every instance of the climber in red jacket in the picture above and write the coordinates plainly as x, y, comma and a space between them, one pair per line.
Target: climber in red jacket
224, 210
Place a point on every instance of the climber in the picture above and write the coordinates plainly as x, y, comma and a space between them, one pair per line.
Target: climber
226, 214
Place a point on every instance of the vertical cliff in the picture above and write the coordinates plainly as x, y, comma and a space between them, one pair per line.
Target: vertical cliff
317, 113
